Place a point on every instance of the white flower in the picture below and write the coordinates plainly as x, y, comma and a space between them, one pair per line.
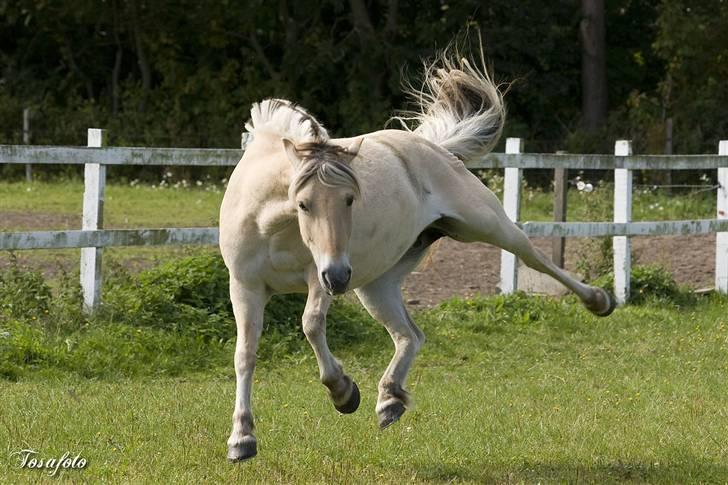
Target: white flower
588, 188
580, 185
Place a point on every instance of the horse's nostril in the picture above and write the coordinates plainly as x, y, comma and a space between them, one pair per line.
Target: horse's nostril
348, 274
325, 278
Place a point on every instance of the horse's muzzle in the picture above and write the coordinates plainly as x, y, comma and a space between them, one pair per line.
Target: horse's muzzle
335, 279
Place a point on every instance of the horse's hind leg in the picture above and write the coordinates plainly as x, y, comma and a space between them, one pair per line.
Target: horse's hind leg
383, 300
343, 391
478, 216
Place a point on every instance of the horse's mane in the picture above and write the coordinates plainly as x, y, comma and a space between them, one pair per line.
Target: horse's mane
285, 119
330, 163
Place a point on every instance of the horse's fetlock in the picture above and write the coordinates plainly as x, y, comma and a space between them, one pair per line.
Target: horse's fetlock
243, 422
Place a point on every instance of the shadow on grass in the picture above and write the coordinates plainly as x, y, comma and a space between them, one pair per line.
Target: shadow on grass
691, 471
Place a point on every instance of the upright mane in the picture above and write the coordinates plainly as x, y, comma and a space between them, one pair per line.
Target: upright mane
327, 162
285, 119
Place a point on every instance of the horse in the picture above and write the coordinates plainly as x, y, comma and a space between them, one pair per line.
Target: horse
307, 213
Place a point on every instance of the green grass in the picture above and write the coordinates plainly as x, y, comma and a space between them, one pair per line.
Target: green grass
513, 389
649, 203
151, 206
124, 206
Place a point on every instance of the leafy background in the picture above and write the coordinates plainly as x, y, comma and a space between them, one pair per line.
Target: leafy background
183, 73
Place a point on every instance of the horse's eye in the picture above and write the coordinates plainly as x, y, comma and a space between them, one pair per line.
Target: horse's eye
303, 207
349, 200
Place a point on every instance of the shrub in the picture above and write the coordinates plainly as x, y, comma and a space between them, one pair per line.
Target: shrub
649, 282
166, 320
23, 293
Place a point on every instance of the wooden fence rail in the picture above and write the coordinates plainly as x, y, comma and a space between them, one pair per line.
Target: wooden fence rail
92, 238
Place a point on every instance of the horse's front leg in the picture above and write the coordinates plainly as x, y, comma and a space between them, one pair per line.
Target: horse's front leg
342, 389
383, 301
248, 305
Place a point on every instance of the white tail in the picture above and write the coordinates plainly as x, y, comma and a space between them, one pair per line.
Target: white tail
460, 108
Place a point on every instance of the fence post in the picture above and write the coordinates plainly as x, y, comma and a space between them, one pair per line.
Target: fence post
721, 238
93, 218
512, 206
622, 213
561, 187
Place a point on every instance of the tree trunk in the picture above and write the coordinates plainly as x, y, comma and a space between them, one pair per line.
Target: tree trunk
116, 71
144, 67
593, 65
392, 11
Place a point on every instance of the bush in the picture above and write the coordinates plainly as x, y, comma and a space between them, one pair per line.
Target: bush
169, 319
23, 293
650, 282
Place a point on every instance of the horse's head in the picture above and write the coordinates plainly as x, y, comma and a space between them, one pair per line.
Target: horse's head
324, 189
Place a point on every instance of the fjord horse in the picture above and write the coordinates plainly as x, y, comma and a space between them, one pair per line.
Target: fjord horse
305, 213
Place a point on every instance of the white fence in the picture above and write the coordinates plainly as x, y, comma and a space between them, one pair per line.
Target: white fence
92, 238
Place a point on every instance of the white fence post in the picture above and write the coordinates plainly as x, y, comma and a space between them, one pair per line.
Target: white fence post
721, 238
622, 213
93, 218
512, 206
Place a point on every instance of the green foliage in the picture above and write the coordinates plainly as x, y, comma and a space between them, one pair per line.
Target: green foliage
156, 74
23, 293
170, 319
648, 283
481, 314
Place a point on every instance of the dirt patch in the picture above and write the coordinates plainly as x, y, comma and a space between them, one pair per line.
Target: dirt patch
32, 221
458, 269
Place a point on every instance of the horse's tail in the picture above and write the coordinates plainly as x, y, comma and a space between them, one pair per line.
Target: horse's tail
459, 107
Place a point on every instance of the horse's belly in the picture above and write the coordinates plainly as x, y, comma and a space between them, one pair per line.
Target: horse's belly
380, 245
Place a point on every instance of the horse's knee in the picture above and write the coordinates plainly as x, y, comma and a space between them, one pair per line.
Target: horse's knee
313, 324
244, 360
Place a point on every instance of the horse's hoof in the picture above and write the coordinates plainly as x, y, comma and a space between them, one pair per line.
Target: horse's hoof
390, 414
246, 449
352, 404
612, 304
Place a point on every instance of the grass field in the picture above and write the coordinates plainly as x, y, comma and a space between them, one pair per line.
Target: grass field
151, 206
508, 390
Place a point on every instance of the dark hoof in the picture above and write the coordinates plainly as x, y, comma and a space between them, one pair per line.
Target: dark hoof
352, 404
612, 305
390, 414
242, 451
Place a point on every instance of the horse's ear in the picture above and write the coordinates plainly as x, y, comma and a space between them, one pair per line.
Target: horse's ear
291, 152
353, 149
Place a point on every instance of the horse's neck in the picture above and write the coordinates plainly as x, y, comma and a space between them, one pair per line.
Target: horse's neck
271, 169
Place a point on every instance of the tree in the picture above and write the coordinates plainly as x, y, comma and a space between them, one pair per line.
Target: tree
593, 65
